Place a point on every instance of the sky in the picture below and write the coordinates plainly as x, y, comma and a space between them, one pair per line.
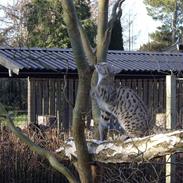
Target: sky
135, 11
142, 23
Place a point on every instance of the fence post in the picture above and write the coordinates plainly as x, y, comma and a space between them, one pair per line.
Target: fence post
31, 100
170, 123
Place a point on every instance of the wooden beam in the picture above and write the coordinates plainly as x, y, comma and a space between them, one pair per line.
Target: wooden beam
170, 123
9, 65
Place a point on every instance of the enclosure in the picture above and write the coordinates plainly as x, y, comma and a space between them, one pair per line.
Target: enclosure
43, 82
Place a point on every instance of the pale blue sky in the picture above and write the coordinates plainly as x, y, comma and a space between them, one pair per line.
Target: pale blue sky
142, 23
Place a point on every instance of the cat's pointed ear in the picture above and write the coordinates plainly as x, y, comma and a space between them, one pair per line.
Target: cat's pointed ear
100, 68
113, 69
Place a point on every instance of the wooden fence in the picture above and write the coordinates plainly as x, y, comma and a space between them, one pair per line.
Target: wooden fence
46, 96
13, 93
50, 97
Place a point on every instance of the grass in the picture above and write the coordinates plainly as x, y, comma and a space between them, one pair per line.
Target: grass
20, 119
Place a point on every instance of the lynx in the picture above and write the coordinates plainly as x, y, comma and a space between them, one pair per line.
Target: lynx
121, 102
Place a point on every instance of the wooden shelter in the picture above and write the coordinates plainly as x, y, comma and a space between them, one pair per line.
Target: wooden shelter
52, 79
51, 76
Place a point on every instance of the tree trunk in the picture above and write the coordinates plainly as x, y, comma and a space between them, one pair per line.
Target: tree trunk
78, 126
174, 23
84, 74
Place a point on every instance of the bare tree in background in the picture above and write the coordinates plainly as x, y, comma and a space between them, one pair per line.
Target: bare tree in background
13, 29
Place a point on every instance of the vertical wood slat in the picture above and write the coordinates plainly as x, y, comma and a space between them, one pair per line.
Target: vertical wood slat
139, 88
180, 109
155, 96
59, 98
66, 108
71, 99
51, 97
46, 97
39, 98
161, 94
134, 85
145, 93
180, 101
150, 95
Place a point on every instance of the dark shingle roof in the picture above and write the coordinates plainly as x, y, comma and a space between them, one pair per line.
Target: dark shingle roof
49, 59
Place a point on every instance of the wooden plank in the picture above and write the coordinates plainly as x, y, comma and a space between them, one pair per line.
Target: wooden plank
150, 96
144, 87
46, 97
71, 100
58, 106
51, 97
66, 108
9, 65
139, 88
134, 84
38, 98
180, 101
161, 96
156, 108
170, 123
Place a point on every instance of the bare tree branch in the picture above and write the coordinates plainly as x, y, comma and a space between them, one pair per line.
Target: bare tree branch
43, 152
101, 53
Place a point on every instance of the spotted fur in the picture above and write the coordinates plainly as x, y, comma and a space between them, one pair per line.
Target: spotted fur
121, 102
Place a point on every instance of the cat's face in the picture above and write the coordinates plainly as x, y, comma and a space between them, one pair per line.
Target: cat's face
106, 72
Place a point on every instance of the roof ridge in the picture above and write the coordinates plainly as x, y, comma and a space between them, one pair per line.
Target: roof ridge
109, 51
36, 49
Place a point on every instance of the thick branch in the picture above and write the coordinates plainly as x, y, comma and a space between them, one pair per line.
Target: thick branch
101, 28
72, 22
50, 156
132, 150
87, 46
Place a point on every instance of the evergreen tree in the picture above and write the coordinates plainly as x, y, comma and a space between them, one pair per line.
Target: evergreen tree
116, 37
45, 25
170, 13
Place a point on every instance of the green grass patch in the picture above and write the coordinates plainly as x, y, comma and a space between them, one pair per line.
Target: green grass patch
20, 119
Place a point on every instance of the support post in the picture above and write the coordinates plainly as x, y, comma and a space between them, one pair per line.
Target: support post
170, 123
31, 101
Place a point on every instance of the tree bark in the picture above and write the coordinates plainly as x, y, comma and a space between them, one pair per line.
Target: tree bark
132, 150
84, 74
174, 23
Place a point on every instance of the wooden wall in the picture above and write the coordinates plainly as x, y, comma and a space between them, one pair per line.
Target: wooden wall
49, 97
13, 93
45, 97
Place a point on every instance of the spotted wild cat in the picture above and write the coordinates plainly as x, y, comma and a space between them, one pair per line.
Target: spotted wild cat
121, 102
